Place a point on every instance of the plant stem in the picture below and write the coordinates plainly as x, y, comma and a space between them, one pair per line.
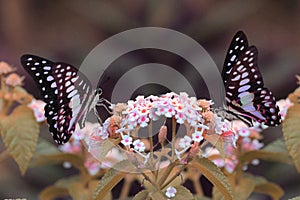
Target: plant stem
167, 173
173, 136
151, 140
173, 177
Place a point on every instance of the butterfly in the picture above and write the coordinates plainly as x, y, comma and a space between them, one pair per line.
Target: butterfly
246, 97
67, 92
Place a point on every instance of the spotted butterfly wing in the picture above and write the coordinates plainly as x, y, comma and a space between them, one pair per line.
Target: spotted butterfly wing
246, 96
67, 93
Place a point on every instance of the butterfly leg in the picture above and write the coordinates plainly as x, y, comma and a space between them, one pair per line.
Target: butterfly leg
101, 102
97, 115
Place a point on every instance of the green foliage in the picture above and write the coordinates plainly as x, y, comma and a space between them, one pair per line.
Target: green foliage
20, 132
110, 179
214, 175
291, 132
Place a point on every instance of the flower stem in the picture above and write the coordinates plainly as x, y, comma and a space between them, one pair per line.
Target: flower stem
173, 136
167, 173
151, 140
173, 177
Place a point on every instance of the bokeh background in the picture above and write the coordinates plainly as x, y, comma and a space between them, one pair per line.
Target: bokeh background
68, 30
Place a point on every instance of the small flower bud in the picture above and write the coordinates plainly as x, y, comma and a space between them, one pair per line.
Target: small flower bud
5, 68
204, 104
14, 80
208, 116
162, 135
119, 108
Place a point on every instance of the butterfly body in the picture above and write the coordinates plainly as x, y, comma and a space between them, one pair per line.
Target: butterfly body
246, 96
67, 93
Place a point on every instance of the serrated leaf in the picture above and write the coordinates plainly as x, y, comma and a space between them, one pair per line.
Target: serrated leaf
111, 179
142, 195
214, 175
183, 193
52, 192
291, 133
20, 134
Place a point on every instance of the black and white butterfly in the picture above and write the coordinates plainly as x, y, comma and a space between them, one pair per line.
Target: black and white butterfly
246, 96
67, 93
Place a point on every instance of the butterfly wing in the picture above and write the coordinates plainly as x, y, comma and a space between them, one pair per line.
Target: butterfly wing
40, 70
74, 98
237, 46
66, 92
245, 91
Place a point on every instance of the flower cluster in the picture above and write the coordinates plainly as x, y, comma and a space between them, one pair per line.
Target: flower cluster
241, 138
142, 110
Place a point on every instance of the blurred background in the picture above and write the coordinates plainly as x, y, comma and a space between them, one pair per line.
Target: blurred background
68, 30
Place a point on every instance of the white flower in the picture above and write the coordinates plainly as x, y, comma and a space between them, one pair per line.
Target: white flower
197, 136
38, 109
244, 132
171, 191
126, 140
185, 142
143, 120
139, 145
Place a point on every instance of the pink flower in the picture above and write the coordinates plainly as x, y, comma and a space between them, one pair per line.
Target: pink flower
230, 165
139, 145
5, 68
143, 120
197, 136
126, 140
171, 192
37, 107
284, 105
92, 165
71, 147
14, 80
185, 142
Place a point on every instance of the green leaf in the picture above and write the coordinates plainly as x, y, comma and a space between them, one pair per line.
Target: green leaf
262, 185
198, 197
101, 149
183, 193
244, 188
142, 195
217, 142
20, 134
46, 159
111, 179
45, 148
295, 198
214, 175
291, 133
52, 192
